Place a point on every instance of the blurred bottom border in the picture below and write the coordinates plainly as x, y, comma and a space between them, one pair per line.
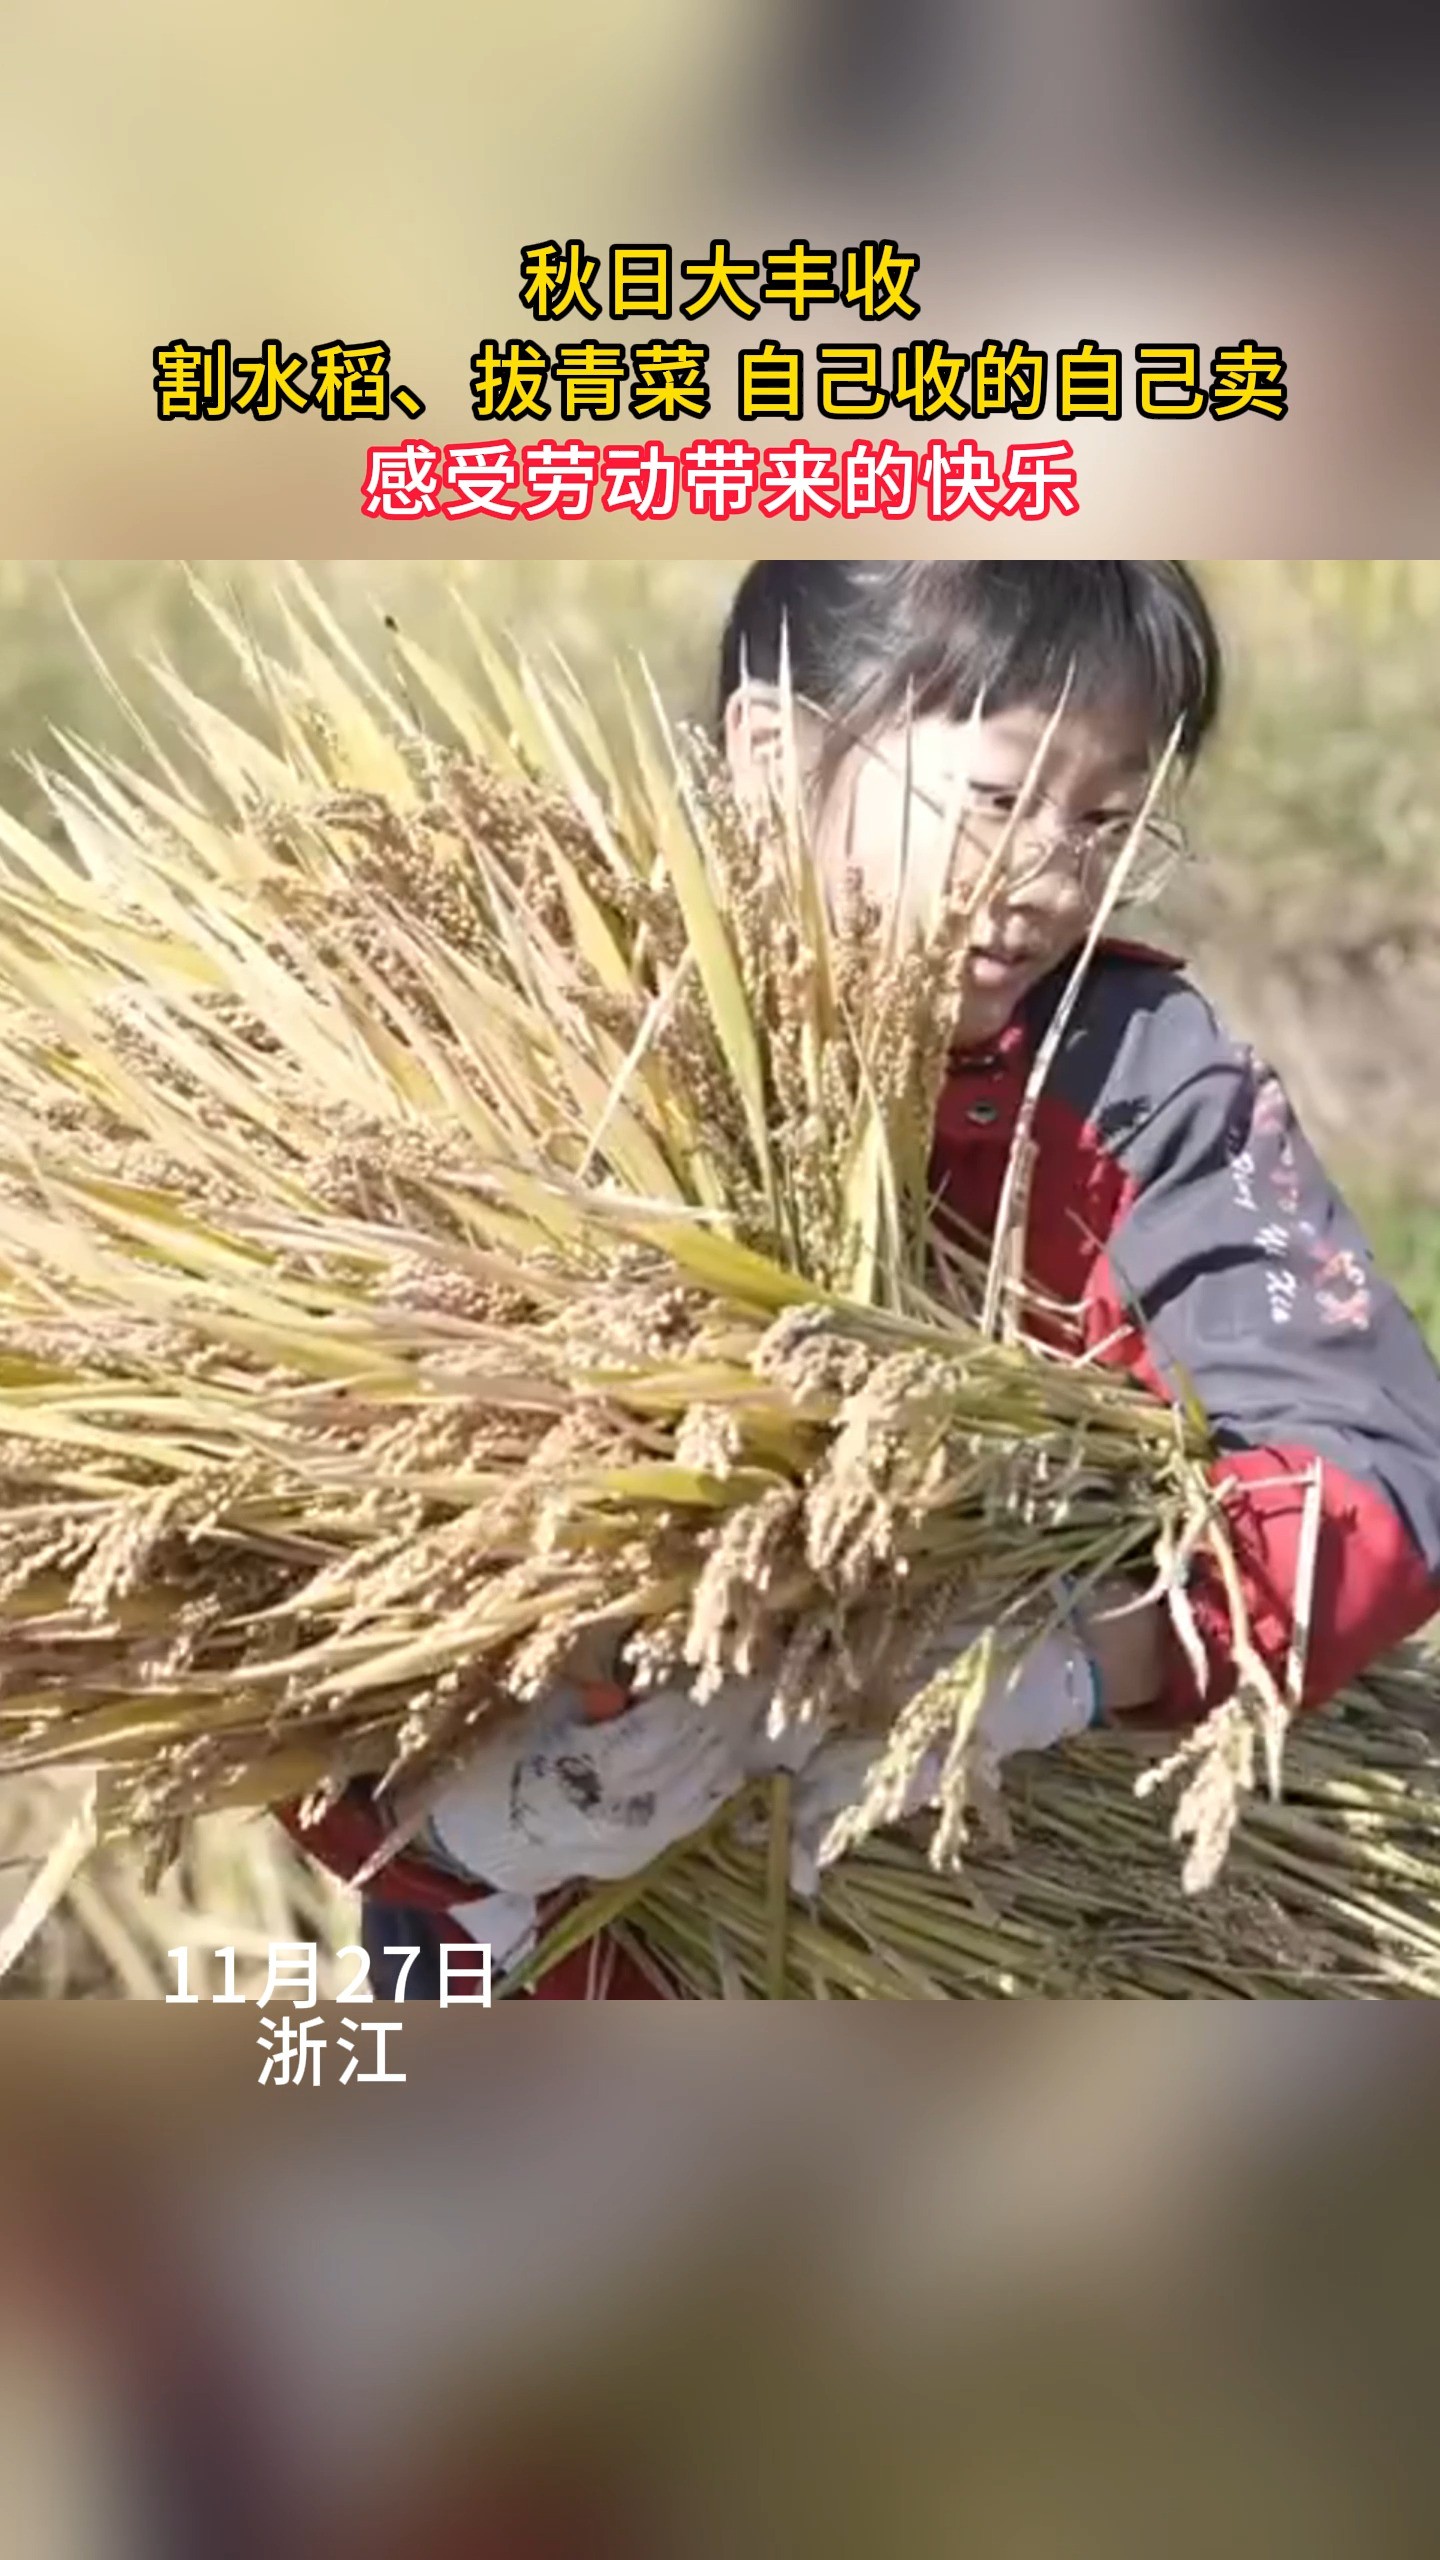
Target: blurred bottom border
681, 2280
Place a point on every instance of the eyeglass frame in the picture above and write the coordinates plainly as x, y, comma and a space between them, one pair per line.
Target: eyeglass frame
1079, 840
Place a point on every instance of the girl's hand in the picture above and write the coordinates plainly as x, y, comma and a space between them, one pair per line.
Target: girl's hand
554, 1796
1054, 1696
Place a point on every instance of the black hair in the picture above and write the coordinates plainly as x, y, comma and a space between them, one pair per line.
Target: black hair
867, 638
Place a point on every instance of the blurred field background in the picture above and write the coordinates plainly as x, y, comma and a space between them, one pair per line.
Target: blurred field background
1312, 914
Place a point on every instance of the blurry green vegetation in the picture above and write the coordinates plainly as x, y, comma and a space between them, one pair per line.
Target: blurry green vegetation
1319, 804
1317, 810
1405, 1233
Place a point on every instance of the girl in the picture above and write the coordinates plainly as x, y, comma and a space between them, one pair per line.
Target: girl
1173, 1201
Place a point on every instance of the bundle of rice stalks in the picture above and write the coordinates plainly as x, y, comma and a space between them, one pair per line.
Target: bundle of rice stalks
1329, 1893
465, 1207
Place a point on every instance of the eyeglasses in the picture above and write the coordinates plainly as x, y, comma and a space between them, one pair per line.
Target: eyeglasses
1089, 850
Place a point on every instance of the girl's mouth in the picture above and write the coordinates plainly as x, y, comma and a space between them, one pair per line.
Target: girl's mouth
998, 968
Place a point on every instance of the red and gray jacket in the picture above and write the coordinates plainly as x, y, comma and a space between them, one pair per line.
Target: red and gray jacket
1176, 1207
1175, 1203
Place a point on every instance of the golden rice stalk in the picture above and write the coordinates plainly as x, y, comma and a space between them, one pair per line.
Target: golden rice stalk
237, 1888
465, 1205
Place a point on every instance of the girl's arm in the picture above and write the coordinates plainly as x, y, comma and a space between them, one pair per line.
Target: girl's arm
1127, 1642
1235, 1270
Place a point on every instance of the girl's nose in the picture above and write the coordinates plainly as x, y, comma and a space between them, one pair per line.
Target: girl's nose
1044, 834
1044, 878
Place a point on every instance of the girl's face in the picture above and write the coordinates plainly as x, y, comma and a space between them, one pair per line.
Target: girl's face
970, 776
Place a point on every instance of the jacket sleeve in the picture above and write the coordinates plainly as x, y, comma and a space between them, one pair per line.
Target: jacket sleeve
1235, 1269
353, 1832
